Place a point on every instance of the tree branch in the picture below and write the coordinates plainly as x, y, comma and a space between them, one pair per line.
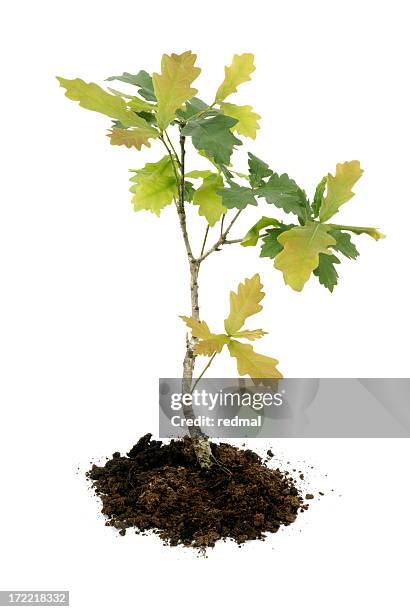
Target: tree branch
236, 241
221, 241
179, 204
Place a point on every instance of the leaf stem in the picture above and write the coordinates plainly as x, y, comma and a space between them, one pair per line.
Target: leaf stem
203, 372
173, 148
222, 224
204, 242
171, 157
200, 113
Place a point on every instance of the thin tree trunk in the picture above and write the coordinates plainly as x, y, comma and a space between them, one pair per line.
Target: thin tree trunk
200, 441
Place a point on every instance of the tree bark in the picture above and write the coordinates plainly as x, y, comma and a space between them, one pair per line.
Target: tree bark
201, 443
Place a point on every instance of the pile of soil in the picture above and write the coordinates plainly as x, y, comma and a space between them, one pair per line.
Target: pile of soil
160, 487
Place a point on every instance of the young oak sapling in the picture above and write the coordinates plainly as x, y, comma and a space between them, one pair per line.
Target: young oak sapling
164, 109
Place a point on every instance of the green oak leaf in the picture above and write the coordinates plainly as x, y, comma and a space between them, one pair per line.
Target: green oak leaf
318, 197
326, 271
154, 187
150, 118
189, 191
284, 193
236, 196
212, 134
143, 80
208, 199
344, 244
192, 107
258, 170
252, 236
270, 245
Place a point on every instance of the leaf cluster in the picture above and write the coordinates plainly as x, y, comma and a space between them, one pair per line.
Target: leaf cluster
307, 245
243, 304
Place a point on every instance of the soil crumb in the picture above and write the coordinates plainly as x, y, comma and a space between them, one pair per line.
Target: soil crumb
160, 487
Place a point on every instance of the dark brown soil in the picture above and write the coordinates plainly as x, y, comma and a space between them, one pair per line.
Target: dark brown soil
160, 487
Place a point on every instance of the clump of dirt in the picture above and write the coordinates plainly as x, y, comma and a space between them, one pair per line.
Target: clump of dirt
160, 487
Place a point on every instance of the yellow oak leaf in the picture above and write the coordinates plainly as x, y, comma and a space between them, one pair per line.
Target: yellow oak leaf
249, 334
339, 188
135, 104
209, 343
247, 119
213, 344
209, 202
244, 304
255, 365
196, 174
199, 329
300, 255
173, 86
373, 232
93, 97
154, 187
238, 72
136, 137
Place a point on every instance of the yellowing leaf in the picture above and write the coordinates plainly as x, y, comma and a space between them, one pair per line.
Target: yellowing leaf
244, 304
247, 119
138, 105
255, 365
93, 97
253, 235
254, 334
173, 86
210, 343
154, 187
195, 174
373, 232
132, 138
135, 104
238, 72
199, 329
300, 255
213, 344
209, 202
339, 188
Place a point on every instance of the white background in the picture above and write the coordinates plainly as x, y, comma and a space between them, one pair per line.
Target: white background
90, 293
